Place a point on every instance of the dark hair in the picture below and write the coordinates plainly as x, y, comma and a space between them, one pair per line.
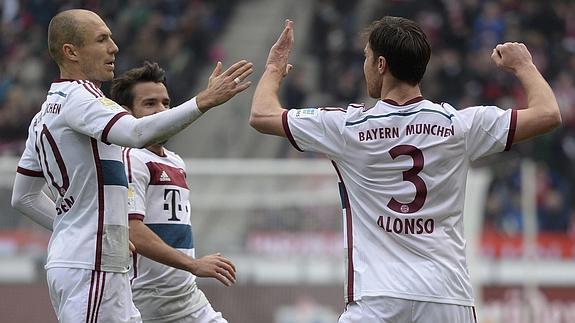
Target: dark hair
404, 46
121, 89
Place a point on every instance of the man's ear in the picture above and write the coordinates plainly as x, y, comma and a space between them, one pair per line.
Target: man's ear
70, 52
381, 64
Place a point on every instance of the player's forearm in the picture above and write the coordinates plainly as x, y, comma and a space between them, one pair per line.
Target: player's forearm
150, 245
542, 105
28, 198
159, 127
266, 109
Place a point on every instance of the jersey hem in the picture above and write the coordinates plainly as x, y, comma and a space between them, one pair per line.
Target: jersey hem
420, 298
112, 269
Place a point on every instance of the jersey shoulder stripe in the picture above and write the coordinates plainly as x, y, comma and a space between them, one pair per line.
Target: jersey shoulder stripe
92, 88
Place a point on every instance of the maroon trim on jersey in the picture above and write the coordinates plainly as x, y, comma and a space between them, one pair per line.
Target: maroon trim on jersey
59, 80
134, 266
95, 94
108, 126
88, 311
128, 162
512, 127
333, 109
357, 105
349, 237
93, 87
288, 132
28, 172
408, 102
96, 296
136, 216
100, 177
101, 296
162, 174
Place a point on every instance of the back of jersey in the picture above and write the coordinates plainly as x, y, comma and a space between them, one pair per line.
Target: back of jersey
402, 173
67, 146
405, 170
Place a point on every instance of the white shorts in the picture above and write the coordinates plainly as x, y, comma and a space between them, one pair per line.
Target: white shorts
205, 314
83, 295
396, 310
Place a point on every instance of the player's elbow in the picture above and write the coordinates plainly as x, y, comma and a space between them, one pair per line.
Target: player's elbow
555, 119
551, 119
258, 121
18, 202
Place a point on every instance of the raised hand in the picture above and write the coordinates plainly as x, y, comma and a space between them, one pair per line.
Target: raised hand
512, 56
215, 266
224, 86
279, 53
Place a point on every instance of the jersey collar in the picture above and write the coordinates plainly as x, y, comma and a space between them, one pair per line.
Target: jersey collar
408, 102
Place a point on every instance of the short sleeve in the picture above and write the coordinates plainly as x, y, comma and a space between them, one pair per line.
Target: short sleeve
92, 115
29, 163
316, 129
138, 179
489, 130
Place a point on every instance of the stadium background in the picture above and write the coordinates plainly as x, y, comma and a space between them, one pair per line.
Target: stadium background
274, 211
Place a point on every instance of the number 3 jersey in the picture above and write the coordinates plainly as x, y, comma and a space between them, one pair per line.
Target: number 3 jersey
402, 172
67, 145
158, 195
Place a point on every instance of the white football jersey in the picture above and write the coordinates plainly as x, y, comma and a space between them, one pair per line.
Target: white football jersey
159, 196
67, 146
402, 172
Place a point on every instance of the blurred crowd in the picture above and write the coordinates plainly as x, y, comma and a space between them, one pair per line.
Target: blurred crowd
179, 34
463, 34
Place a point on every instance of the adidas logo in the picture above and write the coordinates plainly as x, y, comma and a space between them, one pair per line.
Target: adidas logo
164, 177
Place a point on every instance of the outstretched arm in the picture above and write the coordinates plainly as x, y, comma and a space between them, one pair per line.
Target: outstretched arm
151, 246
131, 132
266, 112
542, 113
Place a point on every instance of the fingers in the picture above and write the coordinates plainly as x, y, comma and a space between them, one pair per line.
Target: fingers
217, 70
287, 33
243, 86
236, 66
243, 71
225, 270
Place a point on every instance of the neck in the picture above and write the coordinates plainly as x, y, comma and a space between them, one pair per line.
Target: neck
70, 73
399, 92
157, 149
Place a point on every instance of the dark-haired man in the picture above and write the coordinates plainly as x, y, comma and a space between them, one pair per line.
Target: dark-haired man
402, 166
165, 268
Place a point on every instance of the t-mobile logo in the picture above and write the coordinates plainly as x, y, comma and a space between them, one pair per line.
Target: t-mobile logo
173, 203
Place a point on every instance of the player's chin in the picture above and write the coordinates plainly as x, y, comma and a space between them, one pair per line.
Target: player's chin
108, 76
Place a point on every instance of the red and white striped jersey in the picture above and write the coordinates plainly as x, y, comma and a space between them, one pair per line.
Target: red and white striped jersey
158, 195
67, 146
402, 172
